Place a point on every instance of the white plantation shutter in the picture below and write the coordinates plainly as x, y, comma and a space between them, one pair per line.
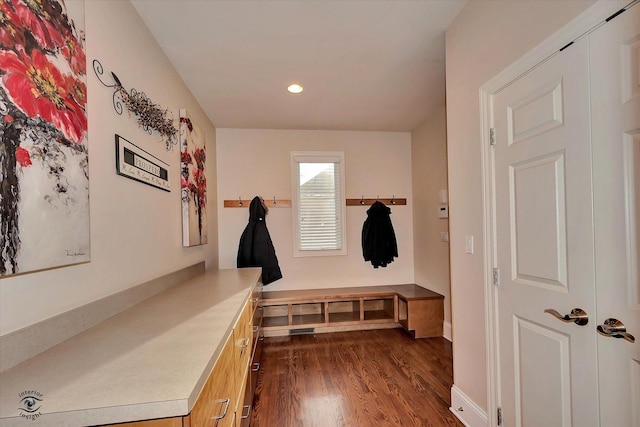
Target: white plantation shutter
318, 203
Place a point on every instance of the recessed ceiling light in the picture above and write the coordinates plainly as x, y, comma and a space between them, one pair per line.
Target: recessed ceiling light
295, 88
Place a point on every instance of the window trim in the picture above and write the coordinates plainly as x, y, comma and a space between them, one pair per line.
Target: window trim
336, 157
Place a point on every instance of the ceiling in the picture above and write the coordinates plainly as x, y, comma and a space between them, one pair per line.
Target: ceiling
373, 65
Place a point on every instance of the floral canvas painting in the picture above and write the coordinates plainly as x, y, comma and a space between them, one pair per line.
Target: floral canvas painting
44, 176
194, 182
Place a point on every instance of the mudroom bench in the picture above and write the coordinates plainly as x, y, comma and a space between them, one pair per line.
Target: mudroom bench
418, 310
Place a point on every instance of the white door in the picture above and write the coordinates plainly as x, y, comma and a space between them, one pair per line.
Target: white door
544, 245
615, 91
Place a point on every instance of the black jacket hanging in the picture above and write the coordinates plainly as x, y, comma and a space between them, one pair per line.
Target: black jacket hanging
378, 238
256, 248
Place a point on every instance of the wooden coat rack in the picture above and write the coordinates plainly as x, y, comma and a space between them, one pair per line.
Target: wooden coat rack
393, 201
286, 203
271, 203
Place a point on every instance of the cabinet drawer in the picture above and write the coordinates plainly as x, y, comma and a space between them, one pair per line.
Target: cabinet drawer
256, 331
254, 368
247, 403
217, 400
243, 336
257, 351
256, 305
257, 315
256, 298
243, 410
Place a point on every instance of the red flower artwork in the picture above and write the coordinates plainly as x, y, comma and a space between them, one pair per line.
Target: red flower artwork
11, 32
36, 18
77, 90
194, 179
74, 54
23, 157
43, 94
185, 157
41, 90
198, 187
201, 157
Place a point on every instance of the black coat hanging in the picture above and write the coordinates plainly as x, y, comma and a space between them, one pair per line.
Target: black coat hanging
256, 248
378, 238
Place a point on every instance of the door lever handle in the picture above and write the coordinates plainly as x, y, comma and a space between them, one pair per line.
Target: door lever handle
577, 316
615, 329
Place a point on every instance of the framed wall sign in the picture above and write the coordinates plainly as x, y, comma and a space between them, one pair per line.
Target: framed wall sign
135, 163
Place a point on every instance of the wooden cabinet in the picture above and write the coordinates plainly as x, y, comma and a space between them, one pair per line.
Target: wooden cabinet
231, 374
225, 400
243, 335
253, 370
217, 400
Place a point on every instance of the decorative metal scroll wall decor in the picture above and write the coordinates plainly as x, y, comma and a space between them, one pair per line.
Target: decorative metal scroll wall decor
151, 116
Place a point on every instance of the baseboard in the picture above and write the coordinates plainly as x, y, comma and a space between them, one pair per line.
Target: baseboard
446, 330
466, 410
27, 342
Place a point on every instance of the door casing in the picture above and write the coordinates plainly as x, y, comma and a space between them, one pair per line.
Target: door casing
583, 24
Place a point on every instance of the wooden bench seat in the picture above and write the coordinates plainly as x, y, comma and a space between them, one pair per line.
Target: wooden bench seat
418, 310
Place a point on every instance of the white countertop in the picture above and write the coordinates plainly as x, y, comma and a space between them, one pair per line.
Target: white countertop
150, 361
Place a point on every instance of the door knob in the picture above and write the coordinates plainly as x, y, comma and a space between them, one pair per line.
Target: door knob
616, 329
577, 316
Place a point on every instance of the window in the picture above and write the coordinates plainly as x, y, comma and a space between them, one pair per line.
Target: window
318, 203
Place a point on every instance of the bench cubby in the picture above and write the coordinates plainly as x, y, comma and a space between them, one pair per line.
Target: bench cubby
416, 309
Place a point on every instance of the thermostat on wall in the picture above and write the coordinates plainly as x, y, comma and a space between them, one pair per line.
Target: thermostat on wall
443, 212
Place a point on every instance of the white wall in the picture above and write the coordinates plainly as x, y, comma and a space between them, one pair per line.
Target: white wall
256, 162
484, 38
429, 166
135, 229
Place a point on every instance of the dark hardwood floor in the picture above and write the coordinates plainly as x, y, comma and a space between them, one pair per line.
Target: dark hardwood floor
354, 379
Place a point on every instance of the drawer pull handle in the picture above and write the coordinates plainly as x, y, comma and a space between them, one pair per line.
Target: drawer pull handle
256, 367
248, 408
244, 345
226, 403
255, 300
256, 329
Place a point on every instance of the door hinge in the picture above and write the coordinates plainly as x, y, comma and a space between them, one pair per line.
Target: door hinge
615, 15
496, 276
492, 136
565, 46
499, 416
